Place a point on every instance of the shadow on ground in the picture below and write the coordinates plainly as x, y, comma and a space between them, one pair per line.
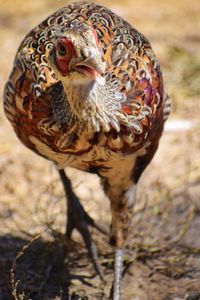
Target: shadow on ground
39, 269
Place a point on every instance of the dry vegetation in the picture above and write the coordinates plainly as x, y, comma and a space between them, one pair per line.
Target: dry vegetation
163, 253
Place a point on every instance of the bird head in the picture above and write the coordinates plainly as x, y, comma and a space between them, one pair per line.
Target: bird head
76, 57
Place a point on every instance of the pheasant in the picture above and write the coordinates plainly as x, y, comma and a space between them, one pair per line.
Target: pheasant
86, 91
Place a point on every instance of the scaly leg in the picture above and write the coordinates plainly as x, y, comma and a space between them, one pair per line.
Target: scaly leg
78, 218
121, 208
115, 292
117, 273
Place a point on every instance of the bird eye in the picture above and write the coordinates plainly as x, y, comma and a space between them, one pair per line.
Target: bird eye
62, 51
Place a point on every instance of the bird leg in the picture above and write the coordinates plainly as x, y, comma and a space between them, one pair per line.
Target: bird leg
78, 218
121, 208
119, 253
119, 232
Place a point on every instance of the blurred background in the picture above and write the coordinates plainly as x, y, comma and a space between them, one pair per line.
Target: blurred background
163, 252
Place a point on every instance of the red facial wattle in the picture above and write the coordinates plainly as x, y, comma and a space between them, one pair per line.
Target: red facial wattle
64, 53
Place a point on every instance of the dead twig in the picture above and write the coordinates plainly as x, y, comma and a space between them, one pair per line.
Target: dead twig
14, 282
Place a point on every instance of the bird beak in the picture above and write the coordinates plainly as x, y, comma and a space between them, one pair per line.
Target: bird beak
91, 65
94, 62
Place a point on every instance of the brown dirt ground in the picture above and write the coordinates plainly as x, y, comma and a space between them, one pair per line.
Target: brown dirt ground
163, 252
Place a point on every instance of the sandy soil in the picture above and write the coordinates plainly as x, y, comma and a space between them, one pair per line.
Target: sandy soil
163, 253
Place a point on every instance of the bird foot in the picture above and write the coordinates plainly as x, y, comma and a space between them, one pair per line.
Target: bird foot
78, 218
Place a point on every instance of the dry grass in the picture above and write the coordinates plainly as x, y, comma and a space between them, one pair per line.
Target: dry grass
163, 252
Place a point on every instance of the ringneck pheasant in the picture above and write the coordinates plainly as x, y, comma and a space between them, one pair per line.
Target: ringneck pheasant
86, 91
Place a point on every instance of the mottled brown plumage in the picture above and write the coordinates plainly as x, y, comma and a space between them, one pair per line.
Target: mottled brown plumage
86, 91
